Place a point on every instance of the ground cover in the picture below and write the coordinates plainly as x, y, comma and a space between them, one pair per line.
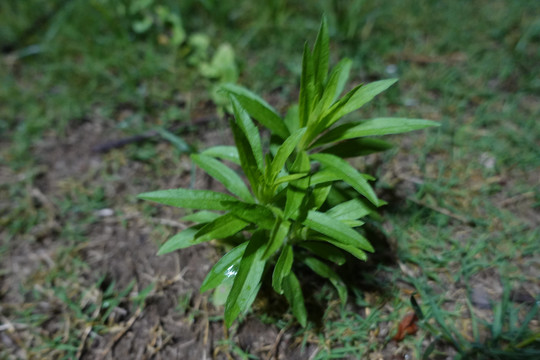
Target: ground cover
79, 275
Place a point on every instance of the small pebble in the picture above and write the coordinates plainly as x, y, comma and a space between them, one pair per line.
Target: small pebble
105, 212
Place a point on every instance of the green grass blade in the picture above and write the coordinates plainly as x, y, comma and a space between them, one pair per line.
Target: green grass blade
474, 321
229, 153
439, 318
417, 309
190, 199
250, 131
528, 318
225, 175
282, 268
283, 153
247, 281
348, 174
293, 294
258, 109
224, 269
496, 326
324, 270
373, 127
328, 226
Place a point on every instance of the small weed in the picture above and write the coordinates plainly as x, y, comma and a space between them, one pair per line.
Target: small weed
283, 208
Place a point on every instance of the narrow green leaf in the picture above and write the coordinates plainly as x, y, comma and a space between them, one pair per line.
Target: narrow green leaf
323, 123
350, 210
496, 326
293, 294
247, 160
225, 175
277, 236
325, 251
323, 176
292, 119
329, 226
288, 178
257, 214
226, 268
416, 308
258, 109
352, 223
221, 228
360, 96
307, 87
321, 54
324, 270
201, 217
229, 153
440, 319
336, 83
528, 318
190, 199
357, 147
297, 190
348, 174
353, 250
221, 292
177, 141
319, 196
282, 268
181, 240
374, 127
283, 153
250, 131
247, 281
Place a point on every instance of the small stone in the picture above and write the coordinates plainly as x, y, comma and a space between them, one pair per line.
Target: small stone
105, 212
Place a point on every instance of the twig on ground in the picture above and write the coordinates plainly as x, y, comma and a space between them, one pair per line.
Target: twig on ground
120, 334
86, 332
517, 198
443, 211
274, 351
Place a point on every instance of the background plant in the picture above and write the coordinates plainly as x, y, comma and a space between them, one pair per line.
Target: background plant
301, 205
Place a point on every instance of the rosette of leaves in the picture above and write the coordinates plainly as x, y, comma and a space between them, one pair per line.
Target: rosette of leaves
303, 202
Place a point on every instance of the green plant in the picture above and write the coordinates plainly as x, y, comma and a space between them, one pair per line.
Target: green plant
302, 205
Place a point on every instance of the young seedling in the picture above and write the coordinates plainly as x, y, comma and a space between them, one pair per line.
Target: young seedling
296, 208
